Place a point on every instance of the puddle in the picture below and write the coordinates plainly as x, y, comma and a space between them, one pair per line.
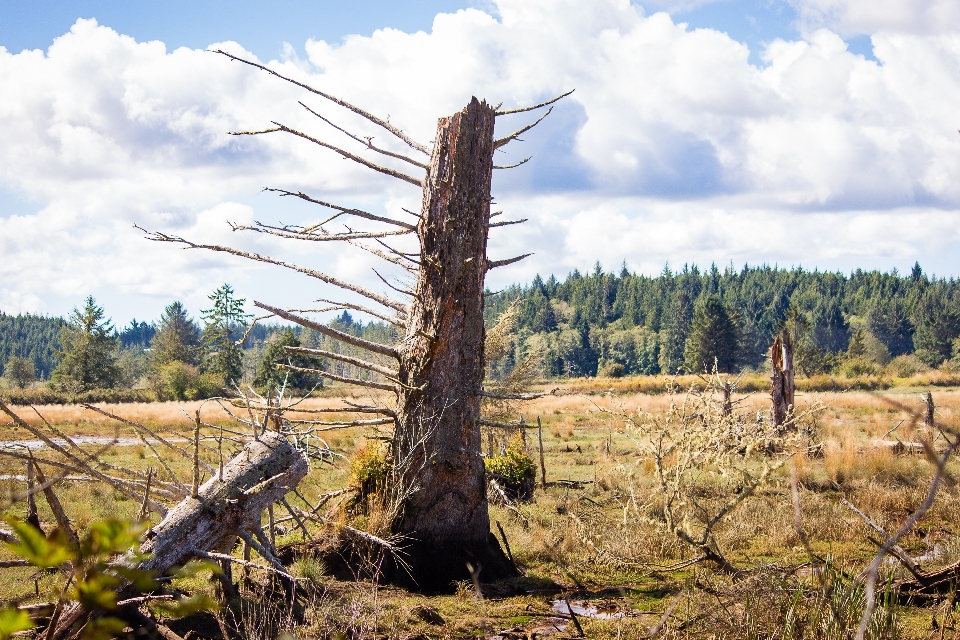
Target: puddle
8, 476
600, 611
96, 440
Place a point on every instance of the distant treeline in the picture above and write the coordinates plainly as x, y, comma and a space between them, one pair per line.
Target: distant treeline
624, 323
36, 338
661, 324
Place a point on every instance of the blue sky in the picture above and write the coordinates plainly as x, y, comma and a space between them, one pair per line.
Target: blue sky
813, 132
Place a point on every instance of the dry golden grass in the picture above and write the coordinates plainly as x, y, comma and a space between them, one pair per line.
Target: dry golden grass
590, 540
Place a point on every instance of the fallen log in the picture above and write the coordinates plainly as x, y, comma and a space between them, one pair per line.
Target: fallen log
261, 474
929, 586
223, 509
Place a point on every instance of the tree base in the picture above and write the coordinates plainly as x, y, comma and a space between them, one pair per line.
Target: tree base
435, 569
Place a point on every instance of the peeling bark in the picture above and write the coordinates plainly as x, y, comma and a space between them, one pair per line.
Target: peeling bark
441, 493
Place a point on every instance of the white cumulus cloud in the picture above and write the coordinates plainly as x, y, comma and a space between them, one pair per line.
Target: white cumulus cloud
673, 148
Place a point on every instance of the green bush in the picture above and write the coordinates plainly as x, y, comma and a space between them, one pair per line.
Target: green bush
515, 470
905, 366
612, 370
857, 367
368, 473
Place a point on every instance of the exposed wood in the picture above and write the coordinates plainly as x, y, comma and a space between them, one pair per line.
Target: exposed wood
441, 488
223, 508
928, 420
782, 378
543, 466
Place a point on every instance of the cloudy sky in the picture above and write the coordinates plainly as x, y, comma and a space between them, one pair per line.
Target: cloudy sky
821, 133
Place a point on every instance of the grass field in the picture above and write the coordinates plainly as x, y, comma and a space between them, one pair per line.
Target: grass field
596, 534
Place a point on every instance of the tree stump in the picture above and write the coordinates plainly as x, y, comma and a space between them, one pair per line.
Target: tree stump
441, 490
782, 378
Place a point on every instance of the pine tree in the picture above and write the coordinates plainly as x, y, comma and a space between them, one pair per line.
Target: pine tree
89, 345
713, 338
223, 325
177, 337
675, 331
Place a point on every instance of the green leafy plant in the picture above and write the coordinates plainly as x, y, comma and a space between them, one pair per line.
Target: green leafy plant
96, 565
515, 469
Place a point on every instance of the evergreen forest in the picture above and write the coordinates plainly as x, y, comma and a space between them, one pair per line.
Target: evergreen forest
598, 323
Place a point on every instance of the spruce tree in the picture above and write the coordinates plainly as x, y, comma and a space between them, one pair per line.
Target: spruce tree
89, 348
177, 337
224, 323
713, 338
270, 377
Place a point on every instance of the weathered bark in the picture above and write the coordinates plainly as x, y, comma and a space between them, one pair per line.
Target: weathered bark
439, 469
782, 392
928, 420
261, 474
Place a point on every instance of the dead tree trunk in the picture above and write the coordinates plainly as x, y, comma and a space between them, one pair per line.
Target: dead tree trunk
928, 420
440, 487
225, 507
440, 494
782, 392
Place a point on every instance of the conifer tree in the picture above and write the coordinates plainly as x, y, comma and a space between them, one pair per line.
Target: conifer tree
713, 338
224, 322
271, 377
177, 337
89, 345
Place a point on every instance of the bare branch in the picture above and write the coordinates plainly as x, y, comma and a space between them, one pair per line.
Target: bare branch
507, 223
346, 105
397, 322
343, 152
351, 409
506, 425
873, 569
339, 209
384, 256
385, 301
513, 136
357, 362
63, 522
330, 426
331, 332
316, 237
137, 426
113, 482
516, 396
493, 264
367, 142
339, 378
405, 292
536, 106
513, 166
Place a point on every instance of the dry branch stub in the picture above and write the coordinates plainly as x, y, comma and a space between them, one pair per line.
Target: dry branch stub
441, 490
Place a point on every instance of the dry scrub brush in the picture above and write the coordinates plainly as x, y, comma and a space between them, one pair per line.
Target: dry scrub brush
707, 458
